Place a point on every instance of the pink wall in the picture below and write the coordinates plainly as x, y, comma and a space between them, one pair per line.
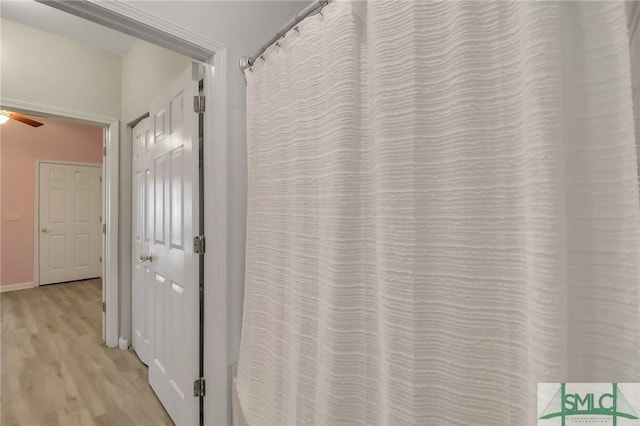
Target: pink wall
20, 147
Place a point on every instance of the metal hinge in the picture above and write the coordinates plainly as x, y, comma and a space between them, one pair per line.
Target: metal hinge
100, 179
199, 387
100, 259
104, 151
104, 306
198, 104
198, 244
104, 228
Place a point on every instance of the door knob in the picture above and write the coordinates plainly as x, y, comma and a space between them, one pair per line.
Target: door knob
44, 230
146, 257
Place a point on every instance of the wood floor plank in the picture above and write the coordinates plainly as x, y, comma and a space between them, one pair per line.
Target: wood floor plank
76, 418
55, 370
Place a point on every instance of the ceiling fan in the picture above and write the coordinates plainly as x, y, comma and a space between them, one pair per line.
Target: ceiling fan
6, 115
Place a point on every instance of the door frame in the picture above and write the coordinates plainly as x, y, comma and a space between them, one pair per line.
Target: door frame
124, 17
36, 251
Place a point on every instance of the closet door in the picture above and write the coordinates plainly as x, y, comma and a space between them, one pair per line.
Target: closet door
172, 222
69, 218
141, 276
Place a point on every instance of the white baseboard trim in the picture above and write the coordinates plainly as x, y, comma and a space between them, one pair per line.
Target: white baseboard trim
123, 344
18, 286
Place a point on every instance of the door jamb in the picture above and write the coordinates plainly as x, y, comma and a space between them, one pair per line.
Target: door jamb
36, 251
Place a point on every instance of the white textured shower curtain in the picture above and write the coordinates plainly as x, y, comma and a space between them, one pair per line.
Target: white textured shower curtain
443, 211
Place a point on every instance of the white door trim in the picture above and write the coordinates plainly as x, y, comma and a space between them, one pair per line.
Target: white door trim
36, 232
124, 17
127, 18
111, 217
54, 111
110, 203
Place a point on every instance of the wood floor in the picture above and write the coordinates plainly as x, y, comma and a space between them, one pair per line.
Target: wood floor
55, 370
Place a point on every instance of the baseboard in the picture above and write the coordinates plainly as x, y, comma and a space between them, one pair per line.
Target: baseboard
123, 344
13, 287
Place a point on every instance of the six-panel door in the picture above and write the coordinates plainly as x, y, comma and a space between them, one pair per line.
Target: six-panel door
172, 218
69, 220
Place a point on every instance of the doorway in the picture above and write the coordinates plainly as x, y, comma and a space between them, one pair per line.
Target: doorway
108, 153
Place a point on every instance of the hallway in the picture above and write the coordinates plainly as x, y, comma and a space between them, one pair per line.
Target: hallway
55, 369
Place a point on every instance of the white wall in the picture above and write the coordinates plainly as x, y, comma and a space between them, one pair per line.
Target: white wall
44, 69
146, 70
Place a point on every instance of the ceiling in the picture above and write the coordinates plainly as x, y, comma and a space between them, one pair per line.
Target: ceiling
46, 18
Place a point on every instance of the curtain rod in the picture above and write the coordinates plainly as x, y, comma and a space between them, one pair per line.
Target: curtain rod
315, 7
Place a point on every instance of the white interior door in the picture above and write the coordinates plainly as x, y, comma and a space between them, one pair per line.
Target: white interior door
172, 220
69, 220
142, 283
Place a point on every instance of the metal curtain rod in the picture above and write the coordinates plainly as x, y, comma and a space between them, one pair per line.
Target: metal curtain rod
314, 7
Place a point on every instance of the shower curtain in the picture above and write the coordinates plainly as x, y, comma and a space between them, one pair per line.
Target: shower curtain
443, 212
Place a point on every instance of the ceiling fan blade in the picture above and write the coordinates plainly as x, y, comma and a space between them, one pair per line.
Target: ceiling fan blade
26, 120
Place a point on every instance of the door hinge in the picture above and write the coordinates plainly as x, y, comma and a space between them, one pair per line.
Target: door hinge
198, 104
100, 259
104, 151
104, 306
198, 244
198, 387
100, 179
104, 228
